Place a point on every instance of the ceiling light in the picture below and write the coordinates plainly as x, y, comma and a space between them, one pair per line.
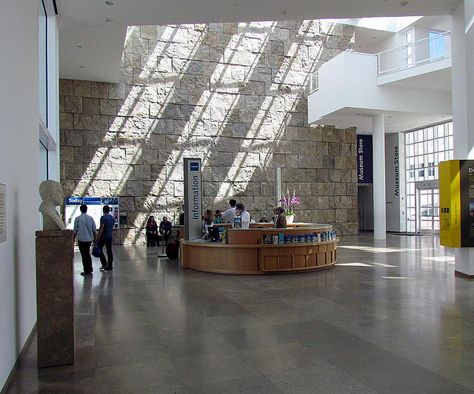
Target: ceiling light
109, 2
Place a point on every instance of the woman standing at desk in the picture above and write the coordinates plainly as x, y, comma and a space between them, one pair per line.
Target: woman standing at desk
240, 211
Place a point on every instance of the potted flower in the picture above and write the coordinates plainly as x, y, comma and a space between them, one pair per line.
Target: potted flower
288, 203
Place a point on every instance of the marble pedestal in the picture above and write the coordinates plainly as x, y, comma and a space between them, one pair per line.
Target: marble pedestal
55, 297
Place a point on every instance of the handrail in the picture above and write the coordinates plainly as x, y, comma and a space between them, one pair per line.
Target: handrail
446, 33
413, 54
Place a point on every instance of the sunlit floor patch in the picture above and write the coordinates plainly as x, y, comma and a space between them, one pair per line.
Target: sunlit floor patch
441, 259
385, 265
395, 277
353, 265
382, 250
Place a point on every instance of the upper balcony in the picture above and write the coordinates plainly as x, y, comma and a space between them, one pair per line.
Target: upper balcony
410, 84
420, 58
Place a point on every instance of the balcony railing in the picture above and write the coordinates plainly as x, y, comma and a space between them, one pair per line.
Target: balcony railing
428, 50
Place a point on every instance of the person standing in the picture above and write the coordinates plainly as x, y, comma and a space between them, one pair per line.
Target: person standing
165, 229
228, 216
151, 232
240, 211
107, 222
280, 221
85, 232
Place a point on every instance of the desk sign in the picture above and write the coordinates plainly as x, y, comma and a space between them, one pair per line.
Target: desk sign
192, 199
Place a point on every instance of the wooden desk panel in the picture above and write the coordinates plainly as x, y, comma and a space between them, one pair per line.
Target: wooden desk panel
258, 258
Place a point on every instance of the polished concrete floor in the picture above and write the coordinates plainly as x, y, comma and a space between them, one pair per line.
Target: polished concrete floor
390, 318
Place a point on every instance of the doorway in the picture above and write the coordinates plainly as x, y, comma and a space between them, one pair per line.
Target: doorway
427, 210
365, 207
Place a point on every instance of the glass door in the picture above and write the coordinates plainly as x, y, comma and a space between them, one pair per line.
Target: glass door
427, 211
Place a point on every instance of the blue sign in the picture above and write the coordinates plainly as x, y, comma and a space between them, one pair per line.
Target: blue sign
110, 200
194, 166
364, 159
74, 200
92, 200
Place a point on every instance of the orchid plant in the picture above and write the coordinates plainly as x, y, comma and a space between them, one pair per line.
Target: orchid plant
289, 202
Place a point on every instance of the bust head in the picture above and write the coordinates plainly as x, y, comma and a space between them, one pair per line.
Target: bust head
51, 192
52, 196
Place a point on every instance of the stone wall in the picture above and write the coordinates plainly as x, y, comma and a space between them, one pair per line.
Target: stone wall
232, 94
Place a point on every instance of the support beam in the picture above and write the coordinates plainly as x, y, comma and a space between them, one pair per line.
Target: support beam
462, 36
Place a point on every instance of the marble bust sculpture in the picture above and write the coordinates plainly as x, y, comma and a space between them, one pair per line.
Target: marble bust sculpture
52, 196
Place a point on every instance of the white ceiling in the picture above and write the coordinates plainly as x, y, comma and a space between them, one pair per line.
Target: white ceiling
92, 33
394, 122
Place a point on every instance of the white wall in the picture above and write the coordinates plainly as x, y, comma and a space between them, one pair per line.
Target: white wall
339, 88
18, 171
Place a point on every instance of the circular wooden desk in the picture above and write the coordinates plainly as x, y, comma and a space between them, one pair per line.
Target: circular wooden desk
245, 253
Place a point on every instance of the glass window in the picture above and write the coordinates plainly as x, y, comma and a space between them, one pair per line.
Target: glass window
424, 150
419, 136
42, 64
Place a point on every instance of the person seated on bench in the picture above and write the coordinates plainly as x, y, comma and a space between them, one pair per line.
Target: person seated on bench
151, 232
165, 229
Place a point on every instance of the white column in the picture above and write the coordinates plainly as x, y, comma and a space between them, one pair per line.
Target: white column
380, 216
462, 38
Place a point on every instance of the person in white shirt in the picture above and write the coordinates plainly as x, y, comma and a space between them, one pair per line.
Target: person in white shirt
240, 211
85, 231
228, 216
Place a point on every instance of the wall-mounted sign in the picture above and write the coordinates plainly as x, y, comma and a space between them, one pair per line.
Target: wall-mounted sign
94, 209
3, 213
192, 199
364, 159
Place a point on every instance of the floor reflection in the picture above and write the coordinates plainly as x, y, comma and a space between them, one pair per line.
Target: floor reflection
390, 317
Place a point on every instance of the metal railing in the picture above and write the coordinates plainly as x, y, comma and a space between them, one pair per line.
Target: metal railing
427, 50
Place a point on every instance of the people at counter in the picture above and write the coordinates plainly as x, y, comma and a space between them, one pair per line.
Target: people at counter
228, 215
243, 214
207, 221
218, 217
280, 220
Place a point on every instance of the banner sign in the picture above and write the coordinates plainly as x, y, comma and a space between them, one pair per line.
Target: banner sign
364, 159
192, 199
94, 209
467, 203
456, 200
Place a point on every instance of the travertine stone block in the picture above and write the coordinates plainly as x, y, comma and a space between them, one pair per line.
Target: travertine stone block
72, 104
66, 87
236, 101
82, 88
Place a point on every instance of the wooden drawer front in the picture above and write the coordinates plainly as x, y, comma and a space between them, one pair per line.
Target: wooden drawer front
311, 260
299, 261
285, 262
321, 258
270, 263
285, 258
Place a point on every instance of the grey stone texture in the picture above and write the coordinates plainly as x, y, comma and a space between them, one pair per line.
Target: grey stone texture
232, 94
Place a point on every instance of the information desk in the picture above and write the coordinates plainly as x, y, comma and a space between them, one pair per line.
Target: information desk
246, 253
